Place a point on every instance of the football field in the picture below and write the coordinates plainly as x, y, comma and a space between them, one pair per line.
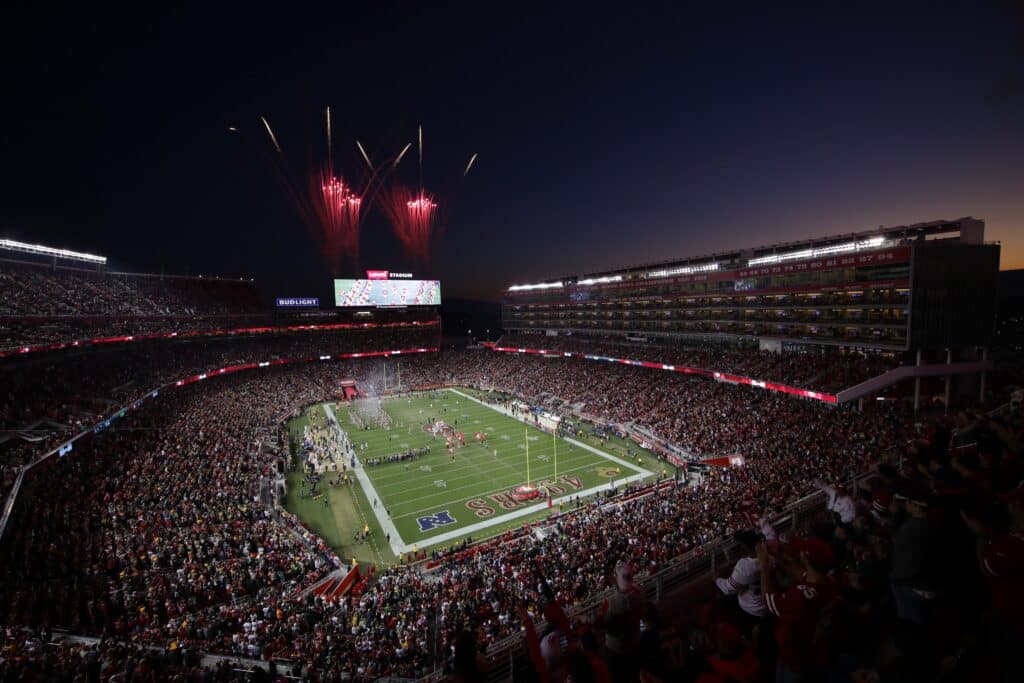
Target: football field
436, 498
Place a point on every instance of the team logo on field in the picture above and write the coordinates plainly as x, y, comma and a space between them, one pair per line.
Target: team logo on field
431, 522
608, 472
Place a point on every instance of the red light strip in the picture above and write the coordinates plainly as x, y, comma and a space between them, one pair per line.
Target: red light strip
287, 361
21, 350
721, 376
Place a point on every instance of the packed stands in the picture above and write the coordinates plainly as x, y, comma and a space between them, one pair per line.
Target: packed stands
40, 290
154, 531
34, 656
43, 304
705, 417
822, 369
49, 398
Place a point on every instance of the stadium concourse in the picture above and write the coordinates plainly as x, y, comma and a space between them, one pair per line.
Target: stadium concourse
160, 533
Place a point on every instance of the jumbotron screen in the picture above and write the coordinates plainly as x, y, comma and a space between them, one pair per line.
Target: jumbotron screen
387, 293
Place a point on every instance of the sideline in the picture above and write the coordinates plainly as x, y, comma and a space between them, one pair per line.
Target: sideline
378, 510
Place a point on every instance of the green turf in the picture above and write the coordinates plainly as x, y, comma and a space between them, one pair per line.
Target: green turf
339, 520
471, 489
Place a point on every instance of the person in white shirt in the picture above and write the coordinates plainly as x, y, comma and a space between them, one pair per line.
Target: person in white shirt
745, 579
839, 502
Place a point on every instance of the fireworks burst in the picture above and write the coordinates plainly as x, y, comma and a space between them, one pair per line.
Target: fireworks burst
339, 209
330, 205
414, 218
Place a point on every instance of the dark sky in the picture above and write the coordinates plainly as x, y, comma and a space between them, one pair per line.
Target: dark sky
607, 134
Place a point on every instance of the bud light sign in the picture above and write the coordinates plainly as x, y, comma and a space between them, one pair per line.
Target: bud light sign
298, 302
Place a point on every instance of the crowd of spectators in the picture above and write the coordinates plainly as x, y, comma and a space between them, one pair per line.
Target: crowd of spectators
49, 398
819, 369
41, 305
155, 531
704, 417
28, 655
161, 516
41, 290
17, 333
915, 574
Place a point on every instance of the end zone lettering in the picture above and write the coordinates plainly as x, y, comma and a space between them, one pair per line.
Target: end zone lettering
430, 522
480, 507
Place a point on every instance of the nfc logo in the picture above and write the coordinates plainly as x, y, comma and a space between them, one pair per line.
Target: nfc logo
429, 522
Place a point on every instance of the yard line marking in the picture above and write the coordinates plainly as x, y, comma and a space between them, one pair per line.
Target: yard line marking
609, 456
476, 462
385, 482
475, 495
516, 472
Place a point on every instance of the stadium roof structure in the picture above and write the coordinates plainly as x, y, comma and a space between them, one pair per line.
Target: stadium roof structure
774, 253
43, 250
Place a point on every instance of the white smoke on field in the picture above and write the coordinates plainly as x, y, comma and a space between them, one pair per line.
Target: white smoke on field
369, 406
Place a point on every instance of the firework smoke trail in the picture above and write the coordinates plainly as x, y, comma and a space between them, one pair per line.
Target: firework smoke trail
366, 157
376, 180
330, 147
469, 165
273, 138
401, 154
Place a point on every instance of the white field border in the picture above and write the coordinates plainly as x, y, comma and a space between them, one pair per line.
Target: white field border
398, 545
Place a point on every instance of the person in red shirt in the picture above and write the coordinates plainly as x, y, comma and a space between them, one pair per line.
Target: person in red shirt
734, 661
1000, 551
800, 609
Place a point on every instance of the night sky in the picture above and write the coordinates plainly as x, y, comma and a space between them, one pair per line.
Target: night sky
608, 135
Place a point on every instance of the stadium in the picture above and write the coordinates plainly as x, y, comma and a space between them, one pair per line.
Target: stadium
466, 344
328, 490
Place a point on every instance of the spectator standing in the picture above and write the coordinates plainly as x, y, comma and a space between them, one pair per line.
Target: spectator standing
622, 614
745, 580
800, 609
